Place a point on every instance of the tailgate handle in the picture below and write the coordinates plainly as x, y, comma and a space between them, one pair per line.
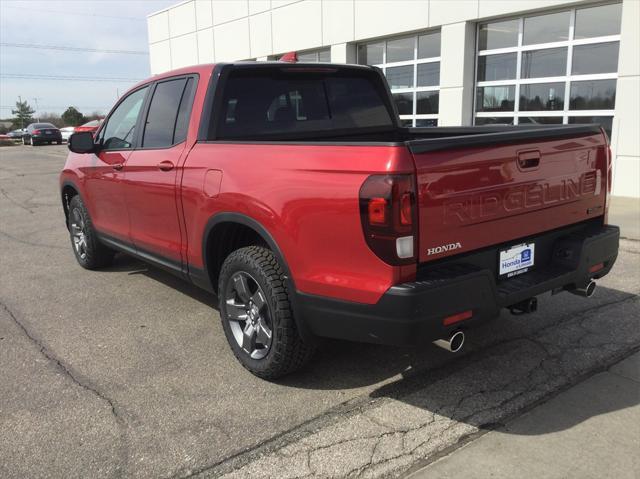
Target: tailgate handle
528, 160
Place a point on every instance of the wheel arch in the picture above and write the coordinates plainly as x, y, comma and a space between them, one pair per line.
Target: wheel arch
213, 264
67, 191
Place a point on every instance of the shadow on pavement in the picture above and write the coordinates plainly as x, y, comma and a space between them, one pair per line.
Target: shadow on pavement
492, 383
519, 341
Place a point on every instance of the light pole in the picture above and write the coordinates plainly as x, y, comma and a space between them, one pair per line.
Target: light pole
21, 117
36, 101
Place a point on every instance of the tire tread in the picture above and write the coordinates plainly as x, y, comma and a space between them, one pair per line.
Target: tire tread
290, 353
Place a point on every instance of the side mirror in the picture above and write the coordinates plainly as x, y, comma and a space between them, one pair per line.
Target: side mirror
82, 142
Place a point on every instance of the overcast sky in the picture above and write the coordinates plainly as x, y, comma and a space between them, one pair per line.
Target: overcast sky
79, 24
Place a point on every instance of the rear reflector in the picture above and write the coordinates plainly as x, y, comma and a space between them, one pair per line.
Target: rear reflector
449, 320
596, 267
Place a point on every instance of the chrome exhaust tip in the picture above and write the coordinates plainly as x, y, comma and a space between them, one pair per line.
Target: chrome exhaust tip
453, 344
585, 291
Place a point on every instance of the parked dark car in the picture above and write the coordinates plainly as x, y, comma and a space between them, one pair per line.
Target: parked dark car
39, 133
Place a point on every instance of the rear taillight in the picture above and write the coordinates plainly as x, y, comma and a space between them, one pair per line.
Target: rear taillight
388, 214
596, 267
35, 132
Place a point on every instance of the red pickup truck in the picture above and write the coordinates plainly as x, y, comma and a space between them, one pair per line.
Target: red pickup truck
292, 192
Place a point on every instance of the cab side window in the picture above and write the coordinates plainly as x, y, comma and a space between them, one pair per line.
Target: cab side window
169, 111
119, 131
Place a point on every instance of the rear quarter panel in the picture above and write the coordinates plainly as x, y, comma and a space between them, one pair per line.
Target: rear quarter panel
306, 196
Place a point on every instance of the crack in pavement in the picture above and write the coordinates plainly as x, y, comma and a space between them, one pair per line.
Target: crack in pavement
416, 380
30, 243
16, 202
83, 383
424, 422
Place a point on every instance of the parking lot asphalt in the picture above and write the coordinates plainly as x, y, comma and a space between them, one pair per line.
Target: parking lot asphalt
126, 371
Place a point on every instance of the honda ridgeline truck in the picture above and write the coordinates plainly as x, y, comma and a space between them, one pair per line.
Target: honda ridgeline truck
292, 193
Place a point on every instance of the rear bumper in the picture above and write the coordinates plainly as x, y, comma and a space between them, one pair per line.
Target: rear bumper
412, 313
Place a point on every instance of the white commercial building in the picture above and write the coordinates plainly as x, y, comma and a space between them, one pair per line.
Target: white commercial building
448, 62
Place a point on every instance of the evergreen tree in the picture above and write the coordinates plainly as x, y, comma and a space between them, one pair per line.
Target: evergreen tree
23, 114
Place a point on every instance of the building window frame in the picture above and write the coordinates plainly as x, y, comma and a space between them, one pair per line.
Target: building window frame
415, 62
567, 79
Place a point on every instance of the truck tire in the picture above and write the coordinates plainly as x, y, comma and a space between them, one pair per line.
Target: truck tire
90, 253
256, 314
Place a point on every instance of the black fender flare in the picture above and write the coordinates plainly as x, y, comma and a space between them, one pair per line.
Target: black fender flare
65, 207
239, 218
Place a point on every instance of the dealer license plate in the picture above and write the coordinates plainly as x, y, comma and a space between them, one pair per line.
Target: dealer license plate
517, 259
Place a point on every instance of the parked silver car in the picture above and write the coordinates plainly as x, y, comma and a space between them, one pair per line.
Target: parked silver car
67, 131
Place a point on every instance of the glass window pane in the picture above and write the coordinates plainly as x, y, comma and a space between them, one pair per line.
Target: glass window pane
407, 123
257, 103
404, 103
163, 112
308, 57
429, 74
598, 21
540, 120
429, 45
424, 122
371, 53
550, 62
324, 56
495, 98
401, 49
400, 77
184, 112
604, 121
593, 95
494, 120
498, 35
119, 132
427, 102
598, 58
546, 28
497, 67
542, 96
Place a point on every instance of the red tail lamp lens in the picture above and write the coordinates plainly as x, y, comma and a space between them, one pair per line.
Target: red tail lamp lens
596, 267
406, 210
35, 132
456, 318
377, 211
387, 211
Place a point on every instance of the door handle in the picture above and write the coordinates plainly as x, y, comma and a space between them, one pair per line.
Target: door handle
118, 166
165, 165
528, 160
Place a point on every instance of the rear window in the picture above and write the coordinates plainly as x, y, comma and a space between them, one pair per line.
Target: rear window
284, 103
44, 125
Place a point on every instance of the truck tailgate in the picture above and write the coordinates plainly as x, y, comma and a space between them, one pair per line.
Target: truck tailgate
494, 188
